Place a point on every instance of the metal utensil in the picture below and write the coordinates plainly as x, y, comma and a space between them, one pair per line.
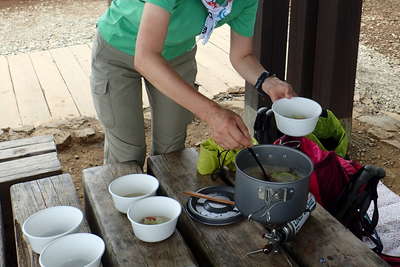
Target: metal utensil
266, 176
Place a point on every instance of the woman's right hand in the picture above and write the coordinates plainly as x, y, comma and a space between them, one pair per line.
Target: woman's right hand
227, 128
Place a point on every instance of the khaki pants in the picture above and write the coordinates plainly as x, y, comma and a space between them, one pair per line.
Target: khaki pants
117, 94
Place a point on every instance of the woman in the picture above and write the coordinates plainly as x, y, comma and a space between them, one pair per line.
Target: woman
155, 39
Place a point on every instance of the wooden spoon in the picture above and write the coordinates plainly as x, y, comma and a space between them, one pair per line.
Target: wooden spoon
214, 199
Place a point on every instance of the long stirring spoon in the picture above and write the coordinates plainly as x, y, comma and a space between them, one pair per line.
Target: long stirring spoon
266, 176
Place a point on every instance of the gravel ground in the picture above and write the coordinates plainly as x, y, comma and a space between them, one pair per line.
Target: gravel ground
378, 82
380, 26
31, 25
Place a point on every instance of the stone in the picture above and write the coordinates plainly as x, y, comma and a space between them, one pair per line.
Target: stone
54, 124
380, 133
392, 142
87, 135
236, 90
62, 138
24, 129
84, 133
393, 115
382, 121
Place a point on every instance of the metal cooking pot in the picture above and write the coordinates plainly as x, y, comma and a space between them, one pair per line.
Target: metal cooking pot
272, 202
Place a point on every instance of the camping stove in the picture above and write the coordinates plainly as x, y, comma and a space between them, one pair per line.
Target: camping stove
276, 235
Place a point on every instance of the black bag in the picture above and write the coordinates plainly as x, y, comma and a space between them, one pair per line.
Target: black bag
354, 202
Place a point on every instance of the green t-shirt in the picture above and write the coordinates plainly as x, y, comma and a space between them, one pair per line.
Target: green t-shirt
119, 25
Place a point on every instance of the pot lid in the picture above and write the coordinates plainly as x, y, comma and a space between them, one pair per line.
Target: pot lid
211, 213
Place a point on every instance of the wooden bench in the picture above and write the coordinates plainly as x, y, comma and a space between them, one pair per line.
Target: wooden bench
20, 161
122, 247
2, 253
322, 241
30, 197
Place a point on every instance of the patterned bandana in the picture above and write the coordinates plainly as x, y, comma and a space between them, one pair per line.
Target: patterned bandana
216, 13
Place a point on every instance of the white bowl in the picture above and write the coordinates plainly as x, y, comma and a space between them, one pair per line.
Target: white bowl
286, 108
46, 225
143, 184
154, 206
74, 250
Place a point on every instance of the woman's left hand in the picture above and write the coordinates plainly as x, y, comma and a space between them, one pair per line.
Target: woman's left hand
277, 89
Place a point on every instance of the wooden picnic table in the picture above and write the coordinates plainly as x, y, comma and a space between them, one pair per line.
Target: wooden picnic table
322, 241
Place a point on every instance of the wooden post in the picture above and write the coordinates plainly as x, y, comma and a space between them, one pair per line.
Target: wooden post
270, 43
302, 37
336, 52
323, 50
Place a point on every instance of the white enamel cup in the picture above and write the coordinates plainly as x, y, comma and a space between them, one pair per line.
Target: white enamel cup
141, 184
154, 206
46, 225
296, 116
82, 249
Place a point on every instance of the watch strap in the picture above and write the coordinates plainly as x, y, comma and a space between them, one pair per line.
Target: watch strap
260, 82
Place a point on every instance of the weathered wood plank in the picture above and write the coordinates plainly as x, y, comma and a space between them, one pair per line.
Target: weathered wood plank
2, 252
323, 238
32, 104
30, 197
59, 99
218, 39
210, 55
8, 104
26, 151
26, 141
76, 80
82, 54
209, 85
21, 169
214, 246
122, 248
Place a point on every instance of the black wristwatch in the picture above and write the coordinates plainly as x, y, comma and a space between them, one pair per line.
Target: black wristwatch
261, 80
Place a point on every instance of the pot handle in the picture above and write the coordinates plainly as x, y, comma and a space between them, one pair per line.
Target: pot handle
272, 198
275, 195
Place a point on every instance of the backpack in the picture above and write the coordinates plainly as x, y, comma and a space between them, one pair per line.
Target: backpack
343, 187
